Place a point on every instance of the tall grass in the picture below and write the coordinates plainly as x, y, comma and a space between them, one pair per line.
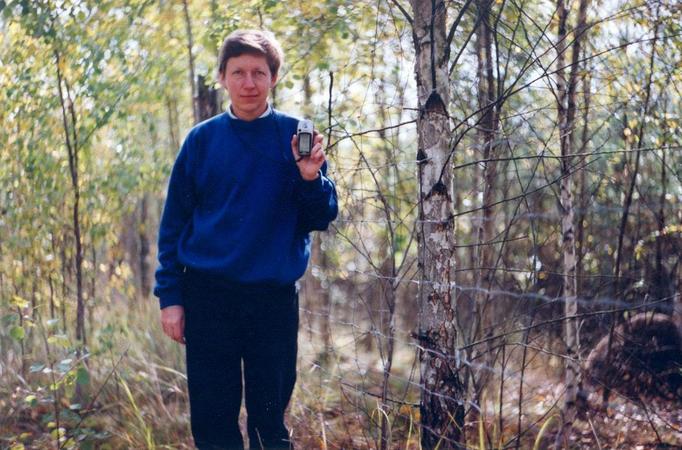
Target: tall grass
133, 393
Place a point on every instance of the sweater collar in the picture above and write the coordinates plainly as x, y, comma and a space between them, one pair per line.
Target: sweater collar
267, 112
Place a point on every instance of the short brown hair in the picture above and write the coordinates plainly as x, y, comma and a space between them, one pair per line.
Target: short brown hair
253, 42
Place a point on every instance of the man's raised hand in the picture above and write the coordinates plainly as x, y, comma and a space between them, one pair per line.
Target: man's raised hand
309, 166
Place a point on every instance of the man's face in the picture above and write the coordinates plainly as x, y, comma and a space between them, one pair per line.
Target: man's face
248, 80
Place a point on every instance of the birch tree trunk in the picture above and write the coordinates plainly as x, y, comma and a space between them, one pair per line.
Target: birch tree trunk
582, 186
442, 408
566, 108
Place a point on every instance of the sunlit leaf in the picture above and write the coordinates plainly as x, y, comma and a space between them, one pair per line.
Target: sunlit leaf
17, 332
19, 302
60, 340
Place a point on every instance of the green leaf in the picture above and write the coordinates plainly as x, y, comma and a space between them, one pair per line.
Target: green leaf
17, 332
9, 319
60, 340
82, 376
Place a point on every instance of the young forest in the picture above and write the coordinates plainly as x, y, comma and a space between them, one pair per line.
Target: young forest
506, 268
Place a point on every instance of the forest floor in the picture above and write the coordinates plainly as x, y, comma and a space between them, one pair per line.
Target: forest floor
133, 396
654, 424
337, 414
351, 423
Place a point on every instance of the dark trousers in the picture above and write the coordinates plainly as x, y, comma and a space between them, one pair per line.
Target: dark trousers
225, 325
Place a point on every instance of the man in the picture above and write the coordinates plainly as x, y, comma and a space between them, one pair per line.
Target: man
233, 240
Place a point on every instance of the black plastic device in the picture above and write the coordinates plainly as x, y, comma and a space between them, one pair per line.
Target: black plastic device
305, 137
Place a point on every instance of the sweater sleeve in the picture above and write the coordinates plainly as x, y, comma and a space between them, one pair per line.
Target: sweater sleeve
177, 213
317, 202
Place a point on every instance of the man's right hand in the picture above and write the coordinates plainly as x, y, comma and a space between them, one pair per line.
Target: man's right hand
173, 322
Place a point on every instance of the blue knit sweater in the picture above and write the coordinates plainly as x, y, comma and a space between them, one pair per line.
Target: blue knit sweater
237, 207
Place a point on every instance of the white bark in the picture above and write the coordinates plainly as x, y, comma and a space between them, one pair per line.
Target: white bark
442, 410
566, 107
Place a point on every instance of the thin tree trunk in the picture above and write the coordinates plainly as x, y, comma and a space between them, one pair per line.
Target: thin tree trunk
65, 290
51, 286
22, 345
323, 261
145, 280
442, 406
72, 147
582, 188
388, 277
387, 272
633, 179
628, 198
172, 110
53, 306
660, 290
34, 299
190, 55
566, 116
208, 102
93, 283
317, 296
487, 129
